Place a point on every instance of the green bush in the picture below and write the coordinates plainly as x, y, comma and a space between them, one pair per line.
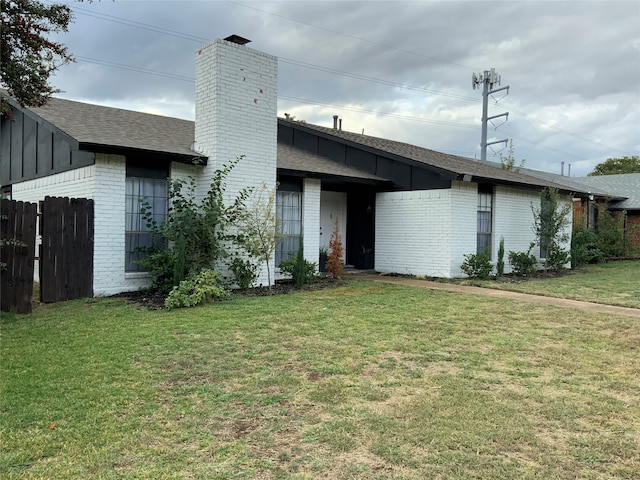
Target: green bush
610, 231
244, 271
200, 288
160, 266
584, 247
301, 270
477, 265
523, 263
198, 233
556, 257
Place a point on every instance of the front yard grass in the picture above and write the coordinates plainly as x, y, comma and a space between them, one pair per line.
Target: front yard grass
363, 381
614, 283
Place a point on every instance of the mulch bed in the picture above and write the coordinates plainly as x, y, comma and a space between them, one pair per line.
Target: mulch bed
155, 300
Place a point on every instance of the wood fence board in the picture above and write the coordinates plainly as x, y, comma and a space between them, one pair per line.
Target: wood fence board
67, 238
18, 222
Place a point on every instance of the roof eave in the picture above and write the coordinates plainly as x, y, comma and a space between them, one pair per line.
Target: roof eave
449, 174
343, 178
185, 158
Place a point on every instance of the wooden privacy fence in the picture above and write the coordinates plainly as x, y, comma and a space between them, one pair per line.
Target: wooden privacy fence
65, 254
17, 254
66, 251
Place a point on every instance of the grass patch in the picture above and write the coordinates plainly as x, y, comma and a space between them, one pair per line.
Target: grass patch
614, 283
364, 381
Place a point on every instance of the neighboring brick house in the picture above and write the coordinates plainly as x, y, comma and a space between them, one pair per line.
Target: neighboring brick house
620, 194
419, 211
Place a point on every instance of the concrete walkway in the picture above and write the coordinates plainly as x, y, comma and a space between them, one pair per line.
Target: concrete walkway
489, 292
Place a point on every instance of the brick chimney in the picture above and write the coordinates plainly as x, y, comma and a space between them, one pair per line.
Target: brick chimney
236, 112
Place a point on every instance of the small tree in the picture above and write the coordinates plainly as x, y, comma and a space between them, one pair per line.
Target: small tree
28, 57
550, 226
258, 227
500, 262
334, 260
508, 162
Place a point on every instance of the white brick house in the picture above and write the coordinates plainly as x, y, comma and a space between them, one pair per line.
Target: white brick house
417, 210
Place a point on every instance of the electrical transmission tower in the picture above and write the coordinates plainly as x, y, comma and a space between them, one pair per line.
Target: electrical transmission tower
488, 79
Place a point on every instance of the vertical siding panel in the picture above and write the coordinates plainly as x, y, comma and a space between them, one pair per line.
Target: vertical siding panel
16, 145
29, 147
5, 150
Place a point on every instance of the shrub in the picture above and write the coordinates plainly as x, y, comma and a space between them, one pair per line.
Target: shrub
302, 271
200, 288
160, 265
523, 263
477, 265
334, 260
584, 247
196, 234
500, 263
556, 258
612, 240
244, 272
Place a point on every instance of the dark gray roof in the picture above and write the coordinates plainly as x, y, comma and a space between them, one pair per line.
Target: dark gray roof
115, 127
461, 166
616, 186
290, 158
93, 124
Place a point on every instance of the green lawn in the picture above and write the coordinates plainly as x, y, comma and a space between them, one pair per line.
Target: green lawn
615, 283
364, 381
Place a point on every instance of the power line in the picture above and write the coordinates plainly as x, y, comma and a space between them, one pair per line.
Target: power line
194, 38
135, 69
379, 113
283, 97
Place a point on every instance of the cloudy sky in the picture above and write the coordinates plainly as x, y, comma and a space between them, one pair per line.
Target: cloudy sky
399, 70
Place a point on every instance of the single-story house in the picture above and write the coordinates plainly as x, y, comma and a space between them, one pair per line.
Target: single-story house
616, 193
417, 210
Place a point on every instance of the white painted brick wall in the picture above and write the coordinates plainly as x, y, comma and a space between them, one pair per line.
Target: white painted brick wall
413, 231
429, 232
311, 218
513, 221
236, 115
464, 223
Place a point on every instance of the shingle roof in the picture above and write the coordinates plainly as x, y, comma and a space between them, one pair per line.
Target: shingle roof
115, 127
626, 185
290, 158
438, 160
95, 124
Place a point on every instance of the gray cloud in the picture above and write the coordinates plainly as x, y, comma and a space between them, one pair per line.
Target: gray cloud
573, 67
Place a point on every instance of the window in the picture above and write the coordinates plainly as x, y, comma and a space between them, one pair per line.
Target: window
143, 186
485, 201
289, 217
547, 208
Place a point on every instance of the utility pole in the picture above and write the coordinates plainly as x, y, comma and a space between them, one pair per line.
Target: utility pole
488, 80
